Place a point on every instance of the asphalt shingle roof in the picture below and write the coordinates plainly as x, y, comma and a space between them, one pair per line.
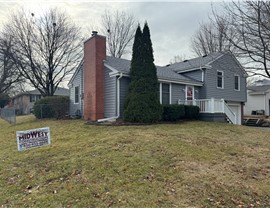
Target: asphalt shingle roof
123, 65
59, 91
261, 88
194, 63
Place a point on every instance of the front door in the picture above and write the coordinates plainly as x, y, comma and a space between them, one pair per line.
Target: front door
189, 92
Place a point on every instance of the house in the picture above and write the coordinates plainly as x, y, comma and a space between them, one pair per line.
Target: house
215, 82
258, 98
24, 102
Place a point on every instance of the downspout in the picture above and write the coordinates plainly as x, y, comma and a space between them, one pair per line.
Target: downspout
117, 103
118, 95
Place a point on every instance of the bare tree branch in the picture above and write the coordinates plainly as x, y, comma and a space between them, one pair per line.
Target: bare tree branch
119, 28
250, 22
46, 48
9, 75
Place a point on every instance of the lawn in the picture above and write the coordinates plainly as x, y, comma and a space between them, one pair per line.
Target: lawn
189, 164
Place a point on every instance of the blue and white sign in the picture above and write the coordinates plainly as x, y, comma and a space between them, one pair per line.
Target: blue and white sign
33, 138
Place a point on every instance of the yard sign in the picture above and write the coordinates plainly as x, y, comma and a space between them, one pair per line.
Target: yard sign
33, 138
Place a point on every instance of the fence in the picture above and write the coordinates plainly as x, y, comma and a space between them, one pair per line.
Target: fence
55, 110
8, 114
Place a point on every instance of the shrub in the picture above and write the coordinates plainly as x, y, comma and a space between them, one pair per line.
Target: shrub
173, 112
192, 112
51, 107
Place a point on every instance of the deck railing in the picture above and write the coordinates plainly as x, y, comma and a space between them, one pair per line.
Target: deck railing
212, 106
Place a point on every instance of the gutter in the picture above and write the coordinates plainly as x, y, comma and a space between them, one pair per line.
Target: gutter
117, 103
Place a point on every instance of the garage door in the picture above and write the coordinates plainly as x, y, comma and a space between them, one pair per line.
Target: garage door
236, 108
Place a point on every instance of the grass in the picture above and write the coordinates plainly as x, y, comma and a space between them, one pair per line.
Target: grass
192, 164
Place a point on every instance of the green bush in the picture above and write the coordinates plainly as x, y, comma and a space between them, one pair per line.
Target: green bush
192, 112
51, 107
173, 112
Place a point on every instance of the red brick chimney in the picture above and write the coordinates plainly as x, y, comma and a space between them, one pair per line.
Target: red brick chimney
94, 55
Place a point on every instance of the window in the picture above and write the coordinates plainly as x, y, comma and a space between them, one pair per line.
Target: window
76, 94
220, 80
189, 93
237, 82
165, 93
34, 98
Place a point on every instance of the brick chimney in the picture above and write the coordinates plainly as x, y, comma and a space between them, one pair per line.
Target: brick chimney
94, 55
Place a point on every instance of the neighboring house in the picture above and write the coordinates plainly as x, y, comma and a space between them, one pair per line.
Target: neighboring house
24, 102
258, 98
216, 82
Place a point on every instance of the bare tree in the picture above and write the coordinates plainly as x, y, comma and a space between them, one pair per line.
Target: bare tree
177, 59
211, 38
250, 21
119, 28
46, 48
9, 75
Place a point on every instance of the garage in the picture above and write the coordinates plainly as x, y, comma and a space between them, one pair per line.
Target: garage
236, 108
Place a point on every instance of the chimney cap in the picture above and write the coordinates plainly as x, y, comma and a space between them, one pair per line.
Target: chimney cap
94, 33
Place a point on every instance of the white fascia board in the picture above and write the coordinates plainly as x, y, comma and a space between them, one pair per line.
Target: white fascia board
188, 70
180, 82
111, 68
75, 73
114, 74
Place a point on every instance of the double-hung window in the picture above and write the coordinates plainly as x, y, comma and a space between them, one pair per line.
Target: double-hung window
220, 79
34, 98
164, 93
237, 82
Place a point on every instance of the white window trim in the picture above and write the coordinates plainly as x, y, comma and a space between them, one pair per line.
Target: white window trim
170, 92
78, 95
222, 79
236, 75
187, 90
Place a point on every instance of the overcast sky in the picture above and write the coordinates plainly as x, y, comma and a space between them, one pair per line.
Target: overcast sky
171, 23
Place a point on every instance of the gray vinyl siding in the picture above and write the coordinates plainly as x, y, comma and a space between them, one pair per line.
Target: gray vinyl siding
230, 68
178, 92
77, 82
124, 85
197, 75
110, 92
197, 92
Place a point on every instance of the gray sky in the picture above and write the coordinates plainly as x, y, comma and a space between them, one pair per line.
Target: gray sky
171, 23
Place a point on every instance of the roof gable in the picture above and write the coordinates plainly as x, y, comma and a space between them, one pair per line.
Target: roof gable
195, 63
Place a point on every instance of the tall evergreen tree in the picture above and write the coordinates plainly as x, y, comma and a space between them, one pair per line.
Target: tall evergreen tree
142, 103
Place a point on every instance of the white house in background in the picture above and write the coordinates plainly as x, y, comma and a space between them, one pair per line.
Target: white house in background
258, 98
24, 102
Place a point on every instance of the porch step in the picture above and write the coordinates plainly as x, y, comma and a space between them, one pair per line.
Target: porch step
252, 122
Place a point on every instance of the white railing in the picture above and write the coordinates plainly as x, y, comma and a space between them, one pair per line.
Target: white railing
212, 106
230, 114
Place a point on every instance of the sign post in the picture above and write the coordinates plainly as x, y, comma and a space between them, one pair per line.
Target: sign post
33, 138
